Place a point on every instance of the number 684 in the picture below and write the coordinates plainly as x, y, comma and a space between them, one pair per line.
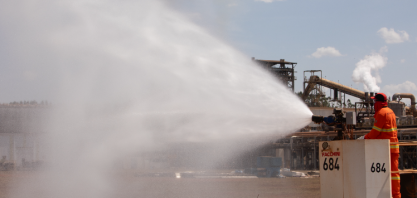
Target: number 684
331, 165
377, 168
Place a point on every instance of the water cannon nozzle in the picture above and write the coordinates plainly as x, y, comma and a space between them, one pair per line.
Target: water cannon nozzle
317, 119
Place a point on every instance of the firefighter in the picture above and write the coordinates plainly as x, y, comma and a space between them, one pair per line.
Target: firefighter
385, 127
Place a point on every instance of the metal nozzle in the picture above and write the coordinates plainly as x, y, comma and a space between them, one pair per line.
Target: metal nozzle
317, 118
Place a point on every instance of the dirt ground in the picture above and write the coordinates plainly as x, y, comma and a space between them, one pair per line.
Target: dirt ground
157, 187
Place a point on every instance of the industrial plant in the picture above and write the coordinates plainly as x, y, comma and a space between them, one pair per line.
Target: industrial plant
22, 127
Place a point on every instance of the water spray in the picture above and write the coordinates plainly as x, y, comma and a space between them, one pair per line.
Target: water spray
135, 77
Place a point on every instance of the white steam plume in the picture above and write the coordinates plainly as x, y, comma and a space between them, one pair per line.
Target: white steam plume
364, 69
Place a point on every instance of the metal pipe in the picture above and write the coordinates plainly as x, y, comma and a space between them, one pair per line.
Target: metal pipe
343, 88
317, 119
407, 95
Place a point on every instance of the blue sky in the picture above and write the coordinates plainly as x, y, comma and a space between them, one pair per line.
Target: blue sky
332, 36
347, 31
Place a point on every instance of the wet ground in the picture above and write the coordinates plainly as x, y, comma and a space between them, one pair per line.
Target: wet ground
130, 185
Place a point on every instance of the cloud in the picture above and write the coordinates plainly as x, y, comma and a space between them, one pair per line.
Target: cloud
405, 87
365, 67
391, 36
383, 49
269, 1
402, 61
232, 5
325, 51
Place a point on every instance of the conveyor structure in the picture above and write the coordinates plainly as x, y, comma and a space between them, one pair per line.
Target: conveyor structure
314, 80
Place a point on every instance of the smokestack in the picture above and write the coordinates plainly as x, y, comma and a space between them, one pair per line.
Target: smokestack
371, 94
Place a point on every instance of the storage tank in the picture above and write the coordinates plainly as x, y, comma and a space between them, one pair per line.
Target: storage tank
398, 108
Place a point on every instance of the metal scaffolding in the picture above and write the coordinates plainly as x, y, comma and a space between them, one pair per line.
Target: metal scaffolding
302, 149
279, 69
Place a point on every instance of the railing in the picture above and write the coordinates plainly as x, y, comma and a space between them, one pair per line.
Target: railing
410, 143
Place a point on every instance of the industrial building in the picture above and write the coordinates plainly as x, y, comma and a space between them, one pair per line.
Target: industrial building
21, 125
20, 129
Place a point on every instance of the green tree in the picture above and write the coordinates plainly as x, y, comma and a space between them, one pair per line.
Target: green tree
316, 100
350, 105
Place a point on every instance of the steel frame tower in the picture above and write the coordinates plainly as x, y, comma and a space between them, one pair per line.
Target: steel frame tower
279, 69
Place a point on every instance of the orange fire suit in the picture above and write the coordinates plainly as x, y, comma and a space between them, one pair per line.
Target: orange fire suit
385, 127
